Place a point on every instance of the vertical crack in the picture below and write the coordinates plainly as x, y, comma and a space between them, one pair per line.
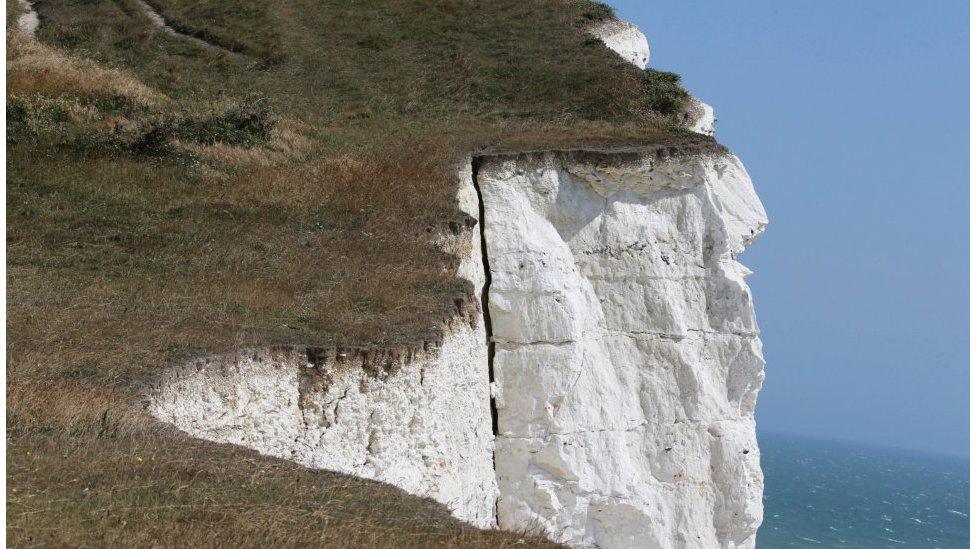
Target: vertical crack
475, 165
489, 339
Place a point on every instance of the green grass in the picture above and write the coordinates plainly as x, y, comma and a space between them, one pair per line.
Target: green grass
241, 26
167, 200
376, 63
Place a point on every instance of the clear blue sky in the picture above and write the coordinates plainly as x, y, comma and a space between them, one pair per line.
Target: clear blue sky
853, 119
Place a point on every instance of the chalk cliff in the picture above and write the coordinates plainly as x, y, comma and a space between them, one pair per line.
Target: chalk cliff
605, 390
418, 418
625, 39
627, 359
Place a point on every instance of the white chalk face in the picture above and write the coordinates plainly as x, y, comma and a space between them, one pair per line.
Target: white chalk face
698, 117
626, 40
627, 358
627, 364
426, 428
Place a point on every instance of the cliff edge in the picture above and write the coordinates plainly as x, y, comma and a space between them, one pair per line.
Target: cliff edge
371, 274
604, 394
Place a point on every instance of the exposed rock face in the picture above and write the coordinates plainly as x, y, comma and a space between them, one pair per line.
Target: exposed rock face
625, 354
419, 419
623, 345
625, 39
627, 358
698, 117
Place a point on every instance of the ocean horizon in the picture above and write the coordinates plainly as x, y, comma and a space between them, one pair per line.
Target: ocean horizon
824, 493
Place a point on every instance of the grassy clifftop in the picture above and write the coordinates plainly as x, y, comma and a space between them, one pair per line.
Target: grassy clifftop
167, 198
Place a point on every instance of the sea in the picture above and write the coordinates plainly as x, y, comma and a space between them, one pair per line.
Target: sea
834, 494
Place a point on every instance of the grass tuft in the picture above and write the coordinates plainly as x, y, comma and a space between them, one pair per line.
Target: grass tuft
247, 122
665, 93
591, 11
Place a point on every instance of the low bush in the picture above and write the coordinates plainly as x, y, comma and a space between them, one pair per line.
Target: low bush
73, 124
246, 122
665, 94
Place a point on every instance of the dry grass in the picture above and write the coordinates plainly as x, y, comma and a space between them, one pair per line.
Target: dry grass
65, 490
34, 68
166, 201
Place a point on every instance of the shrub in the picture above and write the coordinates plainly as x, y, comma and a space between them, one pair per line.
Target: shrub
664, 91
595, 11
248, 122
152, 137
37, 118
97, 126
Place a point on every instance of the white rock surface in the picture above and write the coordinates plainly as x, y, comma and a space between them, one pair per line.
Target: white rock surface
425, 428
627, 357
698, 117
28, 21
625, 39
626, 363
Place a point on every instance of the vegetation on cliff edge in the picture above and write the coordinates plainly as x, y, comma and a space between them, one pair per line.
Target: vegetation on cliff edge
167, 199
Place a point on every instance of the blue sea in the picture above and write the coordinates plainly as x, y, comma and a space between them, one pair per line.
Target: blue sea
831, 494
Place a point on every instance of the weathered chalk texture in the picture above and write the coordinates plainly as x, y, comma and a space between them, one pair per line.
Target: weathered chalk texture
627, 357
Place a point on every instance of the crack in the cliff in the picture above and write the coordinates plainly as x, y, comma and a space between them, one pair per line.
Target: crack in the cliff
489, 338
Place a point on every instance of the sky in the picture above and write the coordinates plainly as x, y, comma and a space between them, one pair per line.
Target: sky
852, 119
